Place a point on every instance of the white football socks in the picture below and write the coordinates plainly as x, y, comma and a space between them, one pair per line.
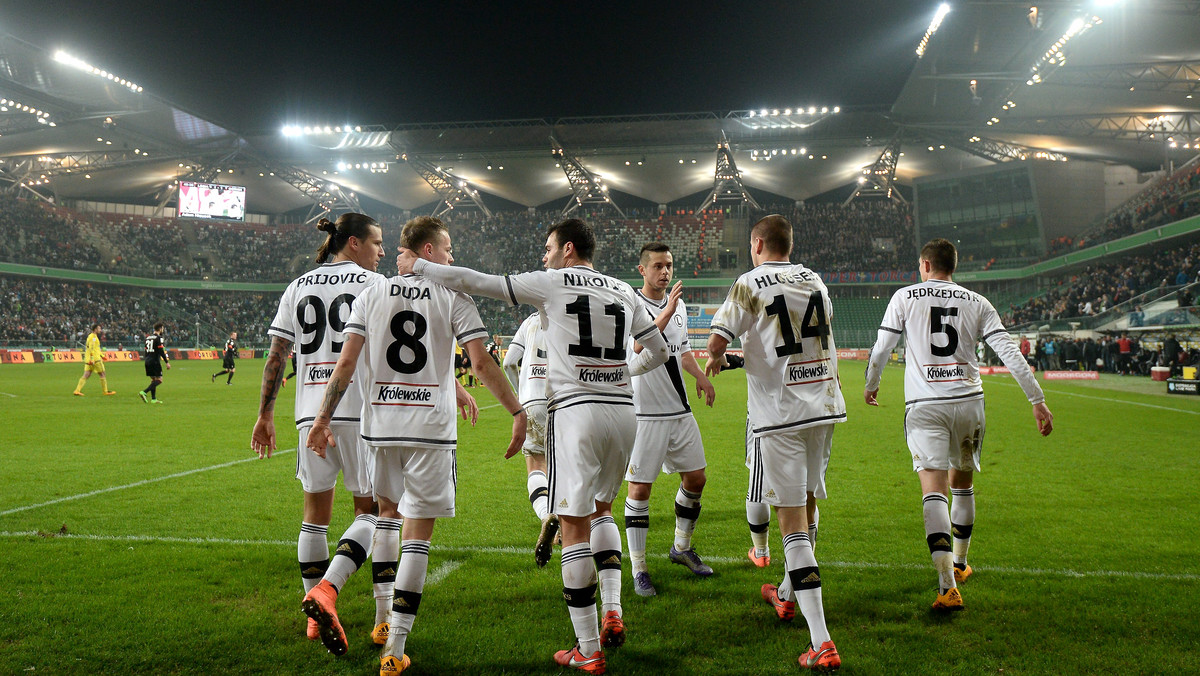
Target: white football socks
687, 510
758, 515
962, 522
406, 597
936, 509
806, 580
606, 550
579, 590
637, 524
537, 486
312, 551
352, 550
385, 557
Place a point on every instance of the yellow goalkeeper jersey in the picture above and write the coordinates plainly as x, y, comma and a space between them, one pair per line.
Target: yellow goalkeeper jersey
93, 352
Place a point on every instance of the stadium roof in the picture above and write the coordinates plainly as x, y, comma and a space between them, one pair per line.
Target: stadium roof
1111, 81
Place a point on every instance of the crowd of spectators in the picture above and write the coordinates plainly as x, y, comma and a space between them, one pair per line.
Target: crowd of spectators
44, 312
1097, 288
1176, 198
35, 236
865, 235
1122, 354
253, 252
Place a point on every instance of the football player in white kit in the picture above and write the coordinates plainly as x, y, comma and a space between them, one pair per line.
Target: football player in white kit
943, 418
312, 315
525, 366
405, 329
589, 319
668, 438
782, 312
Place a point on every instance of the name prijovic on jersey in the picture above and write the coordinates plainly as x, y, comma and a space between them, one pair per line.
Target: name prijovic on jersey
782, 312
531, 340
312, 315
942, 322
661, 394
411, 325
588, 320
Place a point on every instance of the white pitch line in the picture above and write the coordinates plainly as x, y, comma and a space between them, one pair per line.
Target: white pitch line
135, 484
1108, 399
9, 395
492, 406
451, 565
442, 572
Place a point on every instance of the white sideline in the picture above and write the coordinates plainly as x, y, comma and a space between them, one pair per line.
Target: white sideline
135, 484
450, 566
1108, 399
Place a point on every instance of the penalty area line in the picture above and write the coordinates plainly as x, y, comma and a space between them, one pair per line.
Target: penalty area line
143, 482
449, 566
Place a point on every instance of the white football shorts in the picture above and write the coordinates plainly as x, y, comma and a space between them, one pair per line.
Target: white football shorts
317, 474
785, 467
535, 430
670, 446
944, 436
588, 448
422, 481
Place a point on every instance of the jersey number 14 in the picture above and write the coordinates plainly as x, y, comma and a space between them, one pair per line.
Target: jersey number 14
814, 325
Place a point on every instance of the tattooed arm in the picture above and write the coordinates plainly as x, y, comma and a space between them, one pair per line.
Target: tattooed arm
262, 441
320, 436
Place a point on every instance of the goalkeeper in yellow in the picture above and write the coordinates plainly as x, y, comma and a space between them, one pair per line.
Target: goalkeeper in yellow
93, 362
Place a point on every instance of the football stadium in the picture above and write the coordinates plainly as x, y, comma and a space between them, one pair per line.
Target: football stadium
161, 229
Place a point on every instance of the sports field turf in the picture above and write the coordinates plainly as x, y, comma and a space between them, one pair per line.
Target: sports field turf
144, 539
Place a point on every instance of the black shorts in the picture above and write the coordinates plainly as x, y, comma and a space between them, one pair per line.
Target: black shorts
228, 363
154, 369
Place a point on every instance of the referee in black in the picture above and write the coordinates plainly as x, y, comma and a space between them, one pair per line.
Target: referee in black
230, 355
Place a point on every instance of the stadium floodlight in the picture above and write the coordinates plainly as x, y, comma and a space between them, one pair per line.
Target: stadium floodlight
79, 64
942, 10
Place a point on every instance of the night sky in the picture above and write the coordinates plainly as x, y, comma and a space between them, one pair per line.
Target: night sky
257, 66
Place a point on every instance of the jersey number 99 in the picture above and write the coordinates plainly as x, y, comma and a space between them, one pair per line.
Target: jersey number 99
316, 328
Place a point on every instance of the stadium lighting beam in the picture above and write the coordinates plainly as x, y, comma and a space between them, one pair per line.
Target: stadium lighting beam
79, 64
942, 10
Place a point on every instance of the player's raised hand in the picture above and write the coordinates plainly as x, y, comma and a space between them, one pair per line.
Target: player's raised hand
405, 260
520, 420
466, 403
262, 441
704, 388
869, 397
673, 298
320, 437
1045, 419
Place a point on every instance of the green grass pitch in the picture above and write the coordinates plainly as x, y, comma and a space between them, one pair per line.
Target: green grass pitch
145, 540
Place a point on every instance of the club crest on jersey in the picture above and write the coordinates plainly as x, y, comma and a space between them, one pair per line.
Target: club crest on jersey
410, 292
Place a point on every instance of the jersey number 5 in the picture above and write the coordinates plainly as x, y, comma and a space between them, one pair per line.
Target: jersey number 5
317, 326
582, 308
808, 327
937, 324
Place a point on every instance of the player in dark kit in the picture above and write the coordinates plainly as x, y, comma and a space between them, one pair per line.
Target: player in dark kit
155, 357
228, 365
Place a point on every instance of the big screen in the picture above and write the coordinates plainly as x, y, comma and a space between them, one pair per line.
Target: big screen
212, 200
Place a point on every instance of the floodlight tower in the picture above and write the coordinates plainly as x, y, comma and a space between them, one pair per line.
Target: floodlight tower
328, 197
879, 179
727, 180
586, 187
453, 192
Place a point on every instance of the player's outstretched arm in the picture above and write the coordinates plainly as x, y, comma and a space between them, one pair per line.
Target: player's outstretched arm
489, 373
654, 353
466, 403
717, 344
454, 277
262, 440
704, 386
320, 436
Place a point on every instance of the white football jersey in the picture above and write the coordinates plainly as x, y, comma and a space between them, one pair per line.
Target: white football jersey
407, 369
661, 394
783, 314
588, 320
941, 323
531, 341
312, 315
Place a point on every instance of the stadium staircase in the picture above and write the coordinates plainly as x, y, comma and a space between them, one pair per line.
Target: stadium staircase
94, 235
